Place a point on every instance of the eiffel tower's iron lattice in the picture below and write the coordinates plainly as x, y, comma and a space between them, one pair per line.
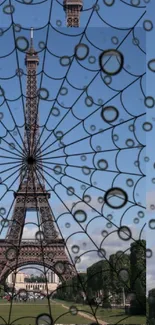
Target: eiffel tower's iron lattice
48, 248
72, 9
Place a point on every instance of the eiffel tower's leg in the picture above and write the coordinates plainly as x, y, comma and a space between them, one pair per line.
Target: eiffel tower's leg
8, 253
17, 222
47, 220
56, 245
60, 260
9, 246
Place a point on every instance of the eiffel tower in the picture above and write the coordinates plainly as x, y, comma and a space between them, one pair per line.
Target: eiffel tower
47, 248
72, 9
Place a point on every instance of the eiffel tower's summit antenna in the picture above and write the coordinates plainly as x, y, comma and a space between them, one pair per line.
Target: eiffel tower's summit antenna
31, 49
31, 41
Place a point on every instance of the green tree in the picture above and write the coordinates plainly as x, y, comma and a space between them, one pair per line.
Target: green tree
120, 272
106, 283
138, 277
94, 279
79, 283
99, 282
1, 291
151, 302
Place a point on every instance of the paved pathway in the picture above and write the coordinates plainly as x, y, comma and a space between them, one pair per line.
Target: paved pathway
84, 315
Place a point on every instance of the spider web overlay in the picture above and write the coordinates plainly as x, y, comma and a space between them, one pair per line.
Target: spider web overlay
92, 125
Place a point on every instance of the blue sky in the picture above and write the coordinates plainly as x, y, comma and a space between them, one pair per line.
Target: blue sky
100, 34
150, 153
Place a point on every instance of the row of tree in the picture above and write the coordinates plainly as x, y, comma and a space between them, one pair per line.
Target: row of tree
151, 307
121, 274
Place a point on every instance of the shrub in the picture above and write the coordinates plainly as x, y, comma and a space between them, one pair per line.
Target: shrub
138, 307
106, 304
151, 301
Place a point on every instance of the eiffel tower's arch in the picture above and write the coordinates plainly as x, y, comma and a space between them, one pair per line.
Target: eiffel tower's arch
30, 254
62, 275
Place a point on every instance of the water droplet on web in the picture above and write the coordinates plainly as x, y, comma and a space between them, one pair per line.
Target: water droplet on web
80, 216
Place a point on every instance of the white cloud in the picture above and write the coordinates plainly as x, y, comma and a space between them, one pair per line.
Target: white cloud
150, 201
29, 232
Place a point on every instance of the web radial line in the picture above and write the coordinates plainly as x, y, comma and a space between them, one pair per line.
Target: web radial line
12, 203
41, 79
17, 59
12, 135
14, 120
92, 114
66, 245
65, 75
12, 138
6, 170
76, 220
90, 185
42, 250
80, 225
88, 136
88, 117
9, 176
77, 98
67, 145
11, 153
85, 119
19, 245
18, 160
21, 153
9, 163
133, 203
80, 167
12, 183
91, 80
87, 153
13, 148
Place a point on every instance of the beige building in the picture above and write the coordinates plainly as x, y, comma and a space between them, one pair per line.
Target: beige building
36, 287
18, 282
52, 277
20, 276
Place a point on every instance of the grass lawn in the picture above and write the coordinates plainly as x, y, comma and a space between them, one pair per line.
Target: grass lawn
27, 312
110, 316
